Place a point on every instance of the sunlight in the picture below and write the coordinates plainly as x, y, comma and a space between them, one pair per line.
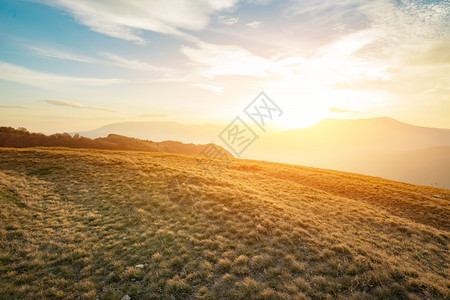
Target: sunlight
306, 100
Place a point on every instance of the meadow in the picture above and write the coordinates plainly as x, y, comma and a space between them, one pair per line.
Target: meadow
88, 224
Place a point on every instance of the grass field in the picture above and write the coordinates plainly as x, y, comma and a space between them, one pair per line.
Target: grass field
93, 224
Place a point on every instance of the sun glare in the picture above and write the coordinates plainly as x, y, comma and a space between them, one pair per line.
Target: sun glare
305, 100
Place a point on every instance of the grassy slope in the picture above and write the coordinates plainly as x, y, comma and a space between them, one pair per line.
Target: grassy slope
77, 222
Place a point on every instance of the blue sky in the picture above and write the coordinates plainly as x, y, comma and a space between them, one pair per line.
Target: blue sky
75, 65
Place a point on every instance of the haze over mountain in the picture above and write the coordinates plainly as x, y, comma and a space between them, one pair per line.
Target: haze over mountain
159, 131
381, 146
21, 138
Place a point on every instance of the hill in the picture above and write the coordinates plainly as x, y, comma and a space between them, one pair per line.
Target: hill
151, 225
371, 135
365, 146
159, 131
21, 138
429, 166
379, 147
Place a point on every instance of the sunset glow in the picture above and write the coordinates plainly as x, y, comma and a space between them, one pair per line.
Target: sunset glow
106, 62
224, 149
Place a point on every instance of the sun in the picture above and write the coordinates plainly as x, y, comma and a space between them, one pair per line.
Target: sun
304, 101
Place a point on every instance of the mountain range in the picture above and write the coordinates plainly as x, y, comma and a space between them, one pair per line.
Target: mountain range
381, 147
159, 131
21, 138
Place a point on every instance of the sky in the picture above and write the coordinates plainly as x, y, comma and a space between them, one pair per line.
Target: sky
77, 65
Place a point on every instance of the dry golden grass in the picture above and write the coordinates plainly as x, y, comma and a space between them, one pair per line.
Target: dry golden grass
103, 224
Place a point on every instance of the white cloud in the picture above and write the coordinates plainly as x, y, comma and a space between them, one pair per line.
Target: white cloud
397, 22
339, 110
340, 59
15, 106
10, 72
60, 54
112, 59
212, 60
133, 64
76, 105
254, 24
410, 19
153, 116
227, 20
377, 35
260, 2
218, 89
126, 19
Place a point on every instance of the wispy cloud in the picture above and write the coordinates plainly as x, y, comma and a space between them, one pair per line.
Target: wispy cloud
153, 115
14, 73
254, 24
133, 63
61, 54
338, 110
227, 20
125, 19
409, 80
76, 105
215, 60
260, 2
218, 89
16, 106
434, 54
397, 23
409, 20
111, 59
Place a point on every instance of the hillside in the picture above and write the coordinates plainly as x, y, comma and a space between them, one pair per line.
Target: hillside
365, 146
429, 166
379, 147
21, 138
150, 225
